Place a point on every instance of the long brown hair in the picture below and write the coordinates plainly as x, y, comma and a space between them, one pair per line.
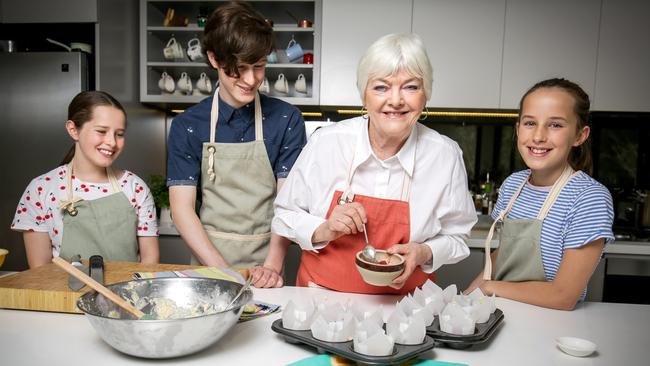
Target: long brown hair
236, 33
81, 110
579, 156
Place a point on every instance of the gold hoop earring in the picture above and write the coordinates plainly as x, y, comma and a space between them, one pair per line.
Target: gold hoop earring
424, 114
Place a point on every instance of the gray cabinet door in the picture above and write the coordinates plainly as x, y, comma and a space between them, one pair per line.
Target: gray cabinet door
622, 77
349, 27
48, 11
464, 40
545, 39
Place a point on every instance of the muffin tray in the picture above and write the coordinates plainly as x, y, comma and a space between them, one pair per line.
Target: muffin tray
346, 349
483, 332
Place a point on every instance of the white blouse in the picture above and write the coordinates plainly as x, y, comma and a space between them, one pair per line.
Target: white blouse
442, 211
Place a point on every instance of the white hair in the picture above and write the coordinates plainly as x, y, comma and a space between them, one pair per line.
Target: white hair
391, 54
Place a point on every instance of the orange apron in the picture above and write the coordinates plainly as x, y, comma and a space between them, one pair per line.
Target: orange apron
388, 224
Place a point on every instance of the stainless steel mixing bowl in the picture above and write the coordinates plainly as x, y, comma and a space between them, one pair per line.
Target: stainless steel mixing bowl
171, 337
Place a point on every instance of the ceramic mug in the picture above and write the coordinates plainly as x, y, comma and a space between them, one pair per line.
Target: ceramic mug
294, 50
184, 84
166, 83
281, 84
194, 51
308, 58
173, 50
264, 86
301, 84
204, 85
272, 57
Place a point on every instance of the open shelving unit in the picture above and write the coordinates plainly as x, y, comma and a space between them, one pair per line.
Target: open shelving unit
154, 37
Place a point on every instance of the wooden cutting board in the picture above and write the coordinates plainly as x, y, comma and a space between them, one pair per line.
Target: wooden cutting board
46, 288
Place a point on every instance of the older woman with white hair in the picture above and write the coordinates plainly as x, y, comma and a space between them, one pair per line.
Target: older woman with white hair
405, 182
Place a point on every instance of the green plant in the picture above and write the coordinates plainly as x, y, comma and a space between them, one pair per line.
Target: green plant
159, 190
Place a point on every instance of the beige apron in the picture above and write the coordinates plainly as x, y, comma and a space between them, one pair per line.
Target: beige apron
238, 188
104, 226
520, 256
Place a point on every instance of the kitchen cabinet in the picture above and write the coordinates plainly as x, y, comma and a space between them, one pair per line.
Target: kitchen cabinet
626, 278
154, 36
48, 11
622, 77
464, 40
173, 249
349, 27
462, 273
545, 39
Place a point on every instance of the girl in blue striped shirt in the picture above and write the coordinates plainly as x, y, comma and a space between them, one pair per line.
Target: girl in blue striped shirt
555, 219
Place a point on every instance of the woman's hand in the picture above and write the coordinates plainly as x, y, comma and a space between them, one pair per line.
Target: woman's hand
415, 254
346, 219
266, 277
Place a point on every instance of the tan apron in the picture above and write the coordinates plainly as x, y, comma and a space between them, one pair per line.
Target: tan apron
520, 255
104, 226
238, 188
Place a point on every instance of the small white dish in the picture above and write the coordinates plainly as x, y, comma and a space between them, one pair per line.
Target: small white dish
575, 346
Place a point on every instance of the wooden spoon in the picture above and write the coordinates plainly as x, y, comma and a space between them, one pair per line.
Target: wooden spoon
99, 288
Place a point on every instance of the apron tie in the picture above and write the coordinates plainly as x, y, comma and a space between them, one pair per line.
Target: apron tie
211, 175
487, 268
68, 205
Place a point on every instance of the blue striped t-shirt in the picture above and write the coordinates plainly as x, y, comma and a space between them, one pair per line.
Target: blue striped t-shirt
582, 213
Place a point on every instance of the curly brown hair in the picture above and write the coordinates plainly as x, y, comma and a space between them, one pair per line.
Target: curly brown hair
236, 33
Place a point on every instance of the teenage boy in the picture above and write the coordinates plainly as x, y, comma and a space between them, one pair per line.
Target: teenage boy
238, 146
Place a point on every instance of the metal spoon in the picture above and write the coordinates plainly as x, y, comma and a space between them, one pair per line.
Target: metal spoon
368, 251
246, 285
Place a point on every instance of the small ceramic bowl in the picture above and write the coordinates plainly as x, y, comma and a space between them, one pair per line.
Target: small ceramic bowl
576, 346
382, 273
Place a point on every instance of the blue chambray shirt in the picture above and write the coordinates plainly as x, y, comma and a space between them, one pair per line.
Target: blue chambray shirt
284, 136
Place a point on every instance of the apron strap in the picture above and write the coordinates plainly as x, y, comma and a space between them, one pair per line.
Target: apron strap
259, 131
548, 203
112, 178
406, 184
487, 267
214, 115
214, 118
348, 195
555, 192
406, 187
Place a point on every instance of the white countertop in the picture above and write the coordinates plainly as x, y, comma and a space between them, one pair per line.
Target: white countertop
527, 336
